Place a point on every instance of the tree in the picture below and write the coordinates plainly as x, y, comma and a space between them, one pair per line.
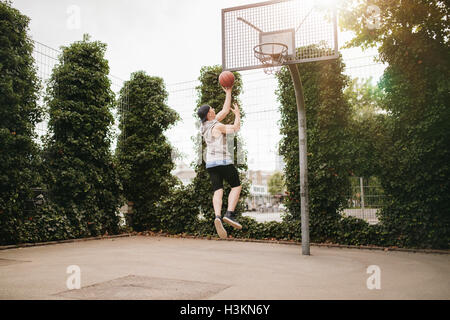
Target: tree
81, 177
364, 99
367, 126
143, 152
276, 183
19, 114
413, 38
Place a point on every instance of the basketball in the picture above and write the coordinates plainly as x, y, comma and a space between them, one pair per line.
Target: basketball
226, 79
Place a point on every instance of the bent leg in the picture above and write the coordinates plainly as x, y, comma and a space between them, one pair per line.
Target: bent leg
233, 197
217, 202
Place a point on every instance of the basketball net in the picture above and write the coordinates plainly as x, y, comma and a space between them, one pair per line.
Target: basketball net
272, 56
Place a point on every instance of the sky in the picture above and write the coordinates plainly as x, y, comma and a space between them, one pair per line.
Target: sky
168, 38
171, 39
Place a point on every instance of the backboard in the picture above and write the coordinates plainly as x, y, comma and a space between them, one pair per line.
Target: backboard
307, 30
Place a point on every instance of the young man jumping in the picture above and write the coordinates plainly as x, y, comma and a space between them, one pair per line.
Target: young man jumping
219, 162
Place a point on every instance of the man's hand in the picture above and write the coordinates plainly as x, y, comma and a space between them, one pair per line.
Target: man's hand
236, 109
231, 128
226, 89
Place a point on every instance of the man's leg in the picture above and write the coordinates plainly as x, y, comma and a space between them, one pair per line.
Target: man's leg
217, 186
217, 202
233, 198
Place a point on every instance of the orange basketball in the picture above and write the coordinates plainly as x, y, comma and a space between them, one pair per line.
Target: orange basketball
226, 79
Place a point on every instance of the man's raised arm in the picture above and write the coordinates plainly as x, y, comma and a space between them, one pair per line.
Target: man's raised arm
226, 106
231, 128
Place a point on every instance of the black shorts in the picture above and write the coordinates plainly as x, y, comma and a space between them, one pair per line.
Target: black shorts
218, 173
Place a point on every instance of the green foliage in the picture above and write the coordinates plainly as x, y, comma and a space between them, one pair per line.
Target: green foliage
81, 177
286, 230
329, 148
406, 148
414, 155
354, 231
328, 117
19, 113
367, 127
408, 24
276, 184
188, 209
178, 211
143, 152
49, 223
364, 98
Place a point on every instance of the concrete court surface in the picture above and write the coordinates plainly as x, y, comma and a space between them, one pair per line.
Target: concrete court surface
141, 267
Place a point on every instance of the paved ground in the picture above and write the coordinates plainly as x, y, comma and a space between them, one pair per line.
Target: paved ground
174, 268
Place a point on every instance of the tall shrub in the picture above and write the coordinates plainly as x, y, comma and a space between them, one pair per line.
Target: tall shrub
19, 113
81, 177
328, 114
143, 152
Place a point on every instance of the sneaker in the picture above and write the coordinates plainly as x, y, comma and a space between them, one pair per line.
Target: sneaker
230, 219
219, 227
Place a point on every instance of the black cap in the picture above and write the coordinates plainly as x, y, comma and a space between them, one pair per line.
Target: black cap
203, 111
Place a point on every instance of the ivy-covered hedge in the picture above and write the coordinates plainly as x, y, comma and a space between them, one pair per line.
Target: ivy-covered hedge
48, 223
180, 217
81, 178
178, 211
144, 154
19, 113
328, 117
416, 159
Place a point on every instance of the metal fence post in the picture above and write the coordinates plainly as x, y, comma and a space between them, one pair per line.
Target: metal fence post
362, 196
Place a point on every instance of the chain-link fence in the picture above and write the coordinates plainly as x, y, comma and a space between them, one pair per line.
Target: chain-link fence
260, 130
365, 199
46, 58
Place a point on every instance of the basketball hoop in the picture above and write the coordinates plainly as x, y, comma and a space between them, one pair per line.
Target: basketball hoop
272, 55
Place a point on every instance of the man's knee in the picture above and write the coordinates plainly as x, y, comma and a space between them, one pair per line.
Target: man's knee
218, 193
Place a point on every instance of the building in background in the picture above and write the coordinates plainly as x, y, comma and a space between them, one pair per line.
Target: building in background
259, 190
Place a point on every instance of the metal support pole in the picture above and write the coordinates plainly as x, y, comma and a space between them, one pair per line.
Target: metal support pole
303, 162
362, 196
